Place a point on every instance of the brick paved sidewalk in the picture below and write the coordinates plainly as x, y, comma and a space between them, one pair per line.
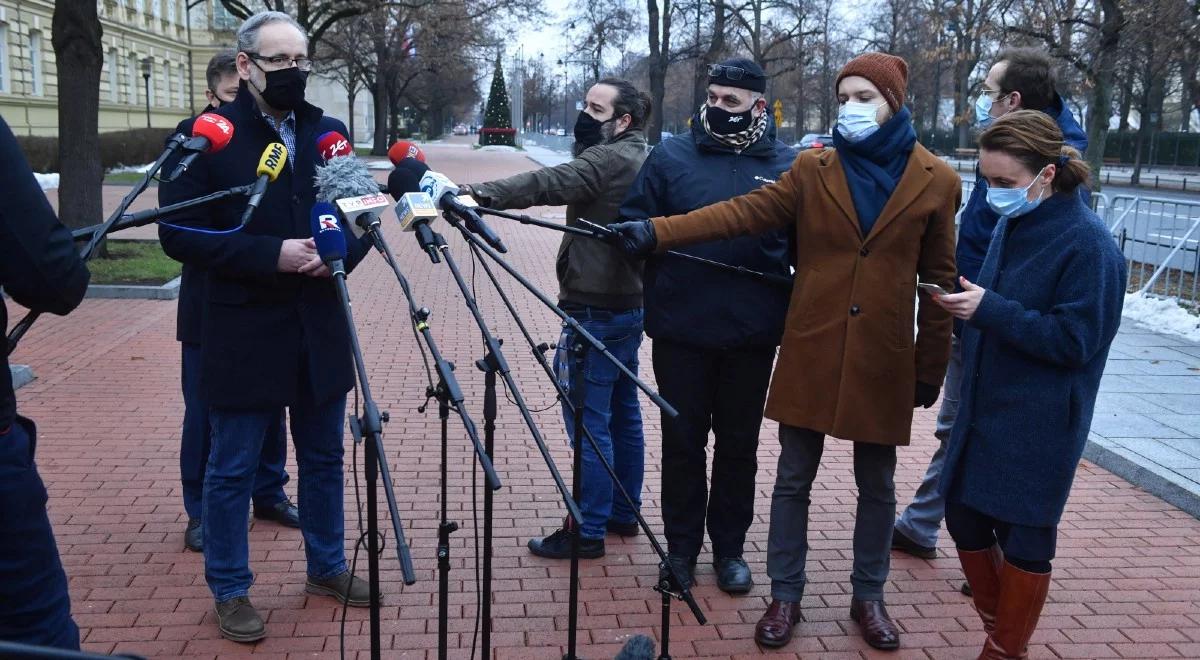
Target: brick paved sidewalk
107, 402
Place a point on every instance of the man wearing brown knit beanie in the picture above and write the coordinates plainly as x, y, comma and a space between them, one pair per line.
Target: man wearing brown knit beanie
877, 217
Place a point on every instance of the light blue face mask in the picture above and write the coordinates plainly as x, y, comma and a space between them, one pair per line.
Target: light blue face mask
983, 110
1013, 202
856, 121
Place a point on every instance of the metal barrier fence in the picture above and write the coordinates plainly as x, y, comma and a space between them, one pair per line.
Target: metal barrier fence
1159, 237
1161, 242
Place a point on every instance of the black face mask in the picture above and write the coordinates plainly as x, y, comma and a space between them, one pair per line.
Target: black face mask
588, 131
285, 88
723, 122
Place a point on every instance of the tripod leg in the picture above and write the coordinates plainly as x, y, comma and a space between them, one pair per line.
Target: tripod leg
578, 364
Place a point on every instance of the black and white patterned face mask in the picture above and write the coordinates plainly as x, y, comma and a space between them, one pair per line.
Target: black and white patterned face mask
723, 126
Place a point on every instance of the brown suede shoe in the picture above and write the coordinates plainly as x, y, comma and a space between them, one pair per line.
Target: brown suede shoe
878, 629
775, 627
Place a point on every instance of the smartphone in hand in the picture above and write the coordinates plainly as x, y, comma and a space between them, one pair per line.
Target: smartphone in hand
932, 289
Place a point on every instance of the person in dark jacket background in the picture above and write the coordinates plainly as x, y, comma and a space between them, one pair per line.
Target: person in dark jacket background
274, 332
270, 500
601, 288
41, 269
715, 333
1021, 78
1040, 318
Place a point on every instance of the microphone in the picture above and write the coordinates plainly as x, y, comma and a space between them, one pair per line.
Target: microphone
415, 211
270, 164
210, 133
327, 234
639, 647
346, 181
404, 149
443, 190
332, 144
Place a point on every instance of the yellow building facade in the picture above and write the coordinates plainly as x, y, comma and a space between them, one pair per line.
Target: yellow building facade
163, 38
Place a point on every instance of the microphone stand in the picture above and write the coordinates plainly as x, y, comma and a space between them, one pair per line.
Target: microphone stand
449, 395
602, 233
492, 364
149, 216
370, 426
539, 353
173, 144
585, 343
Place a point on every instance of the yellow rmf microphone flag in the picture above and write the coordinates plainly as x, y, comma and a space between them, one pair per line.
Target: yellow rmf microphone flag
273, 158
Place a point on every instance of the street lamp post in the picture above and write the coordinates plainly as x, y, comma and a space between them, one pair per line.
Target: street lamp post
146, 63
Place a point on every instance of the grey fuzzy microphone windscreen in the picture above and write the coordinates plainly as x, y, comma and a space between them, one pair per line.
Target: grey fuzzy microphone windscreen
343, 177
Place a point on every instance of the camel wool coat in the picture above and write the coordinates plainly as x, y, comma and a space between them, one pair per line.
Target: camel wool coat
849, 364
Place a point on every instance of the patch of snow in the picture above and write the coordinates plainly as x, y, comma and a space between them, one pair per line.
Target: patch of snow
135, 169
47, 181
499, 147
1163, 315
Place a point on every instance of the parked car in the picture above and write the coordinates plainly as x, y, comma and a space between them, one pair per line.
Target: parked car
562, 132
814, 141
460, 129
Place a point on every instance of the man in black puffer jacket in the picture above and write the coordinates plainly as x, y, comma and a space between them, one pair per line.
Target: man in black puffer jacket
715, 333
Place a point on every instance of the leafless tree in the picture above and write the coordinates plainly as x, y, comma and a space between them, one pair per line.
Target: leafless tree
76, 32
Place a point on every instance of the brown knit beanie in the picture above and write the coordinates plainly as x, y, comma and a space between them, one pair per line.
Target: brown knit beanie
887, 72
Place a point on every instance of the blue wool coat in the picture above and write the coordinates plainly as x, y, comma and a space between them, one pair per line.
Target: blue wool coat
1033, 355
692, 303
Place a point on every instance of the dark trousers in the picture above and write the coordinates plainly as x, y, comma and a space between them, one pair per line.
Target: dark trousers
787, 544
196, 443
722, 391
1028, 548
34, 605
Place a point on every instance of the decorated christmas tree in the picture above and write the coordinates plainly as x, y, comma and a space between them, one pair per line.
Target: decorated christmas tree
497, 117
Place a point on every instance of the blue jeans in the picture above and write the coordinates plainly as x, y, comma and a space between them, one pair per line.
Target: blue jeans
923, 517
611, 413
237, 439
197, 440
34, 605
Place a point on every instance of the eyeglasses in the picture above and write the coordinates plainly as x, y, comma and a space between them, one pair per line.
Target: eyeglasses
729, 72
283, 61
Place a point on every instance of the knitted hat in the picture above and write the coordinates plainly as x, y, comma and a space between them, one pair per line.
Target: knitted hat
749, 77
887, 72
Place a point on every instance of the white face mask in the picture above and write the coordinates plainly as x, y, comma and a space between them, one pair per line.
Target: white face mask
856, 121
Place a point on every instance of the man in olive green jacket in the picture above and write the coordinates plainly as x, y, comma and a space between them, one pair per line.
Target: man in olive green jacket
601, 288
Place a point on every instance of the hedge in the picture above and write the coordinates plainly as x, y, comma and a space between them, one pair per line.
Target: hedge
133, 147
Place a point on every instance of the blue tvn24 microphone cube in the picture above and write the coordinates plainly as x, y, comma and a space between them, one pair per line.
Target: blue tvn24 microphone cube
327, 232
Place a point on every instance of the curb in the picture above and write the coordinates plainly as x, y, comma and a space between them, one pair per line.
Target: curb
1163, 484
21, 375
168, 291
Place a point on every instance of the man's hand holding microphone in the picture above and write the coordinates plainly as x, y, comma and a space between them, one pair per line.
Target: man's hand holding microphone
636, 237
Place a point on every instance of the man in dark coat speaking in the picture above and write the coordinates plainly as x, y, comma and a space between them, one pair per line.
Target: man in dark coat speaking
715, 333
274, 333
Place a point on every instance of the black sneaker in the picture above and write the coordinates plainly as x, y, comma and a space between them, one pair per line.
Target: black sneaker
347, 588
193, 536
285, 513
685, 568
558, 546
733, 575
622, 529
239, 621
910, 547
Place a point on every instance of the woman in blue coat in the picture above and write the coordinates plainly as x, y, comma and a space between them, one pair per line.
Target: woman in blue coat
1039, 322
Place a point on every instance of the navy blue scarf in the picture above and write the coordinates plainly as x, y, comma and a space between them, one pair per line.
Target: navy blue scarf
874, 166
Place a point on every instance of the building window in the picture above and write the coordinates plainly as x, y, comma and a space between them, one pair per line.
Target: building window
156, 8
114, 88
222, 19
134, 75
183, 87
166, 84
35, 63
4, 57
171, 11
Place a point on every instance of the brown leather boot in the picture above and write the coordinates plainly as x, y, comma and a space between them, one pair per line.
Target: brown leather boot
775, 627
1022, 595
982, 568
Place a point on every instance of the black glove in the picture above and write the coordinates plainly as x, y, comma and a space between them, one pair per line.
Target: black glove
926, 395
636, 237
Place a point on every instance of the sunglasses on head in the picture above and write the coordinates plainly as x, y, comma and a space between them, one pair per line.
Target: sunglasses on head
729, 72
